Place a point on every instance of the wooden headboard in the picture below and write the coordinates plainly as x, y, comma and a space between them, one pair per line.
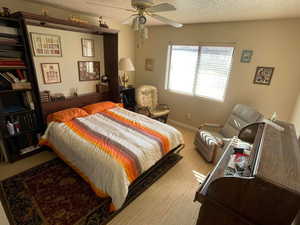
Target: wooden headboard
71, 102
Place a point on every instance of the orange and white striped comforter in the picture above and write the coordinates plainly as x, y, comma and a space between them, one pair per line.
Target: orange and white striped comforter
111, 149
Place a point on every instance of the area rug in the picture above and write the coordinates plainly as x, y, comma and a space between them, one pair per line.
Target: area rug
53, 194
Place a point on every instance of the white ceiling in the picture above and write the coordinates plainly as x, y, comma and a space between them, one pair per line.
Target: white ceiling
192, 11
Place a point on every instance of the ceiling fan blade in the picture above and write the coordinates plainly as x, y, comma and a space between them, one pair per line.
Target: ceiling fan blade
167, 21
164, 7
109, 6
129, 19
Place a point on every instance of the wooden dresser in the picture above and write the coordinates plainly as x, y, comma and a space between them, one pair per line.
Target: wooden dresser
268, 191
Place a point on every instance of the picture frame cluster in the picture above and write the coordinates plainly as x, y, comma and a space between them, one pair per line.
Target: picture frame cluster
49, 45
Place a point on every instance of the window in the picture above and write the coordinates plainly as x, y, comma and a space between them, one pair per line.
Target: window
199, 70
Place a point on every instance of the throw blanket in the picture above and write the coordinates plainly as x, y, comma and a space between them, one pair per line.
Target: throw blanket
111, 149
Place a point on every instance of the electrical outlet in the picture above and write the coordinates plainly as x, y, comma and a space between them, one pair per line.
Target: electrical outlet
188, 116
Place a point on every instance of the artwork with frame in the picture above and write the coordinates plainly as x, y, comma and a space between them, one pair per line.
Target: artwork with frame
246, 56
89, 70
46, 45
149, 64
88, 49
263, 75
51, 73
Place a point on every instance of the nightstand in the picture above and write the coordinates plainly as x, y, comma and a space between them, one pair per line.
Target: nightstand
128, 98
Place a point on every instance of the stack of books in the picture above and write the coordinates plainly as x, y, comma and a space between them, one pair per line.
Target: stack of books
7, 41
16, 80
11, 62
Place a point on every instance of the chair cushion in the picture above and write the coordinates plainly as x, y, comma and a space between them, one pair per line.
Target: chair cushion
241, 116
207, 138
146, 96
208, 143
159, 112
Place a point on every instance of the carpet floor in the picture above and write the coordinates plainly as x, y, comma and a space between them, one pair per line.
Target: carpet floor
53, 194
169, 201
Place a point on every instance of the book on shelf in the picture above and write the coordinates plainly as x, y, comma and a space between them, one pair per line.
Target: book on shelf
6, 63
21, 85
17, 81
10, 53
12, 109
28, 100
8, 30
29, 149
4, 41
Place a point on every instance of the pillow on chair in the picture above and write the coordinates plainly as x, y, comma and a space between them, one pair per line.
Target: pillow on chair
208, 144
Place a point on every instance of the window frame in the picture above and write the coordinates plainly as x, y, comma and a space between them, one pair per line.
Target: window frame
169, 60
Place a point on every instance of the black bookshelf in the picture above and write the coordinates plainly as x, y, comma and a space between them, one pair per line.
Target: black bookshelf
20, 107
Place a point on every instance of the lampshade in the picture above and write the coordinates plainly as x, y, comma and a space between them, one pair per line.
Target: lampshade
125, 64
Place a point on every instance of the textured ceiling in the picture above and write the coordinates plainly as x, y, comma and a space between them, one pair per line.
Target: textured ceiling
192, 11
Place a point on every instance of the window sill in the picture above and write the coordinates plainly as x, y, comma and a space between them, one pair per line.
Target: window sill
195, 96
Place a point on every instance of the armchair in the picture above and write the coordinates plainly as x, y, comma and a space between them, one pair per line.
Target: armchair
147, 103
210, 138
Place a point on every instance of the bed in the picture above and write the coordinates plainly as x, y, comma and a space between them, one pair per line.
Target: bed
111, 149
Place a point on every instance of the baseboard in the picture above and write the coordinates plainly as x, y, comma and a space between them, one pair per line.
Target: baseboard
180, 124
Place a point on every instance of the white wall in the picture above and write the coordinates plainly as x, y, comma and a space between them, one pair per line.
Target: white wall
68, 63
275, 43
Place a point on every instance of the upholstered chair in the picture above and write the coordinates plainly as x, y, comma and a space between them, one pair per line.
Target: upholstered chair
147, 103
210, 138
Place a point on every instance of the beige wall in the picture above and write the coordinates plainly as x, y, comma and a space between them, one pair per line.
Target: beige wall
295, 119
275, 43
126, 35
71, 54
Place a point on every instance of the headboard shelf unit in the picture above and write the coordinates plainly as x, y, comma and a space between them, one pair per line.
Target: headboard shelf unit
110, 42
56, 23
20, 107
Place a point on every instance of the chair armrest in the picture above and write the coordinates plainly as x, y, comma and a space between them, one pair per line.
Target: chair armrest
163, 106
211, 125
143, 110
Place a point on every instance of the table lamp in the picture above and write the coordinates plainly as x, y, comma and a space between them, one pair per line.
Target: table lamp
125, 65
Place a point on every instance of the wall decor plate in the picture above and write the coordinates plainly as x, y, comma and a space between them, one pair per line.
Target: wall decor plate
246, 56
263, 75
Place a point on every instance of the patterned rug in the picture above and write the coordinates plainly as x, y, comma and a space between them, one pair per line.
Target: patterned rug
53, 194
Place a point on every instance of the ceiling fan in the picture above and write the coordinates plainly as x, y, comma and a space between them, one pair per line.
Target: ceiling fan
142, 9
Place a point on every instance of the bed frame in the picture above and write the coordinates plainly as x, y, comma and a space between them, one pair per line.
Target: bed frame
110, 39
72, 102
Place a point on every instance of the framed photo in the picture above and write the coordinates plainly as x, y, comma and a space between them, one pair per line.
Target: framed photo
149, 64
46, 45
51, 73
87, 47
89, 70
263, 75
246, 56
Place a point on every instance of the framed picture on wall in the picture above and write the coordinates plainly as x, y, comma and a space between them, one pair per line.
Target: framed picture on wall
51, 73
246, 56
87, 47
263, 75
89, 70
149, 64
46, 45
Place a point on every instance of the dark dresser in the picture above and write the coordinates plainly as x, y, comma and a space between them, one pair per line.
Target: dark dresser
267, 192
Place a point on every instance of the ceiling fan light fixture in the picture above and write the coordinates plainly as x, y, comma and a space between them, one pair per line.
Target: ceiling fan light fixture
135, 24
142, 19
145, 33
